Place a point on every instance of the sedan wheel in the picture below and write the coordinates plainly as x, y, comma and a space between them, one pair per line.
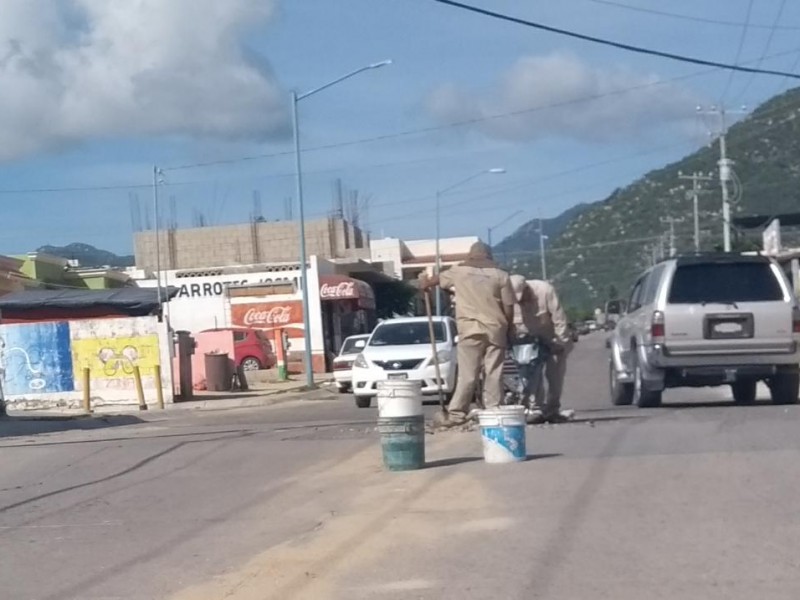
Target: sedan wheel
251, 364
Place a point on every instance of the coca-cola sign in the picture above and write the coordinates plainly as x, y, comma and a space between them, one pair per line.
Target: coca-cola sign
345, 289
277, 315
267, 315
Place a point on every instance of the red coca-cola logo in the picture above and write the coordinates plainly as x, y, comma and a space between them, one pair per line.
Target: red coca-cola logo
345, 289
277, 315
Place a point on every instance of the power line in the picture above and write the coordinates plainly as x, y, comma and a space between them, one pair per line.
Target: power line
663, 13
466, 122
767, 46
738, 50
613, 44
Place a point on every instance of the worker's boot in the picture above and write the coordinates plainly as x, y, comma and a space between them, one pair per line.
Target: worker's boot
445, 420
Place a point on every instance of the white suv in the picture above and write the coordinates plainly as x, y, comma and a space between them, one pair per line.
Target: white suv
401, 349
707, 320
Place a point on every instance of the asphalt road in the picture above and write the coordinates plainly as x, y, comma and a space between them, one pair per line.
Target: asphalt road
696, 499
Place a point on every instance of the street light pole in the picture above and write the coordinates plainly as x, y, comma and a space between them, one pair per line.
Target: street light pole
307, 357
156, 173
439, 193
542, 256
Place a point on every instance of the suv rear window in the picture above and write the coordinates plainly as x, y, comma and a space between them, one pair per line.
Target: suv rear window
725, 283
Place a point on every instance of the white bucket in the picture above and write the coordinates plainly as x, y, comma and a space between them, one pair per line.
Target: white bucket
399, 398
503, 434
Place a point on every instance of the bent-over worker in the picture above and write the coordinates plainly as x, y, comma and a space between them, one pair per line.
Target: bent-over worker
554, 328
484, 314
527, 336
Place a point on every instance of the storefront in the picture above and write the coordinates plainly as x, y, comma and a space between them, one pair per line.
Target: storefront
268, 297
348, 308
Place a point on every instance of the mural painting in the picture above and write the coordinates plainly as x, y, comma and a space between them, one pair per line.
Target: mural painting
113, 359
35, 358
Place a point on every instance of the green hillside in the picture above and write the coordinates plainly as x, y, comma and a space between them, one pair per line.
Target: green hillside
608, 243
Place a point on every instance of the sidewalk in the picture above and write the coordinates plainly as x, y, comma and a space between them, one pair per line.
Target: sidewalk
264, 393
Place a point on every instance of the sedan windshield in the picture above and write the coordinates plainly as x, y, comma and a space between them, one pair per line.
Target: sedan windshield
353, 345
406, 334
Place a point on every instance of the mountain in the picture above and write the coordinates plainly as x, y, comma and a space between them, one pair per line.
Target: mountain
610, 242
89, 256
526, 238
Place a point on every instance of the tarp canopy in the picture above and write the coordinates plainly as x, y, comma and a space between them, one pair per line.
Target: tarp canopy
130, 300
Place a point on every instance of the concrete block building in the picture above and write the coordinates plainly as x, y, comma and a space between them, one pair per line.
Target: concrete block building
248, 243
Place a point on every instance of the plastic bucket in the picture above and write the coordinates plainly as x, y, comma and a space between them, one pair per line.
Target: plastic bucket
399, 398
503, 434
402, 442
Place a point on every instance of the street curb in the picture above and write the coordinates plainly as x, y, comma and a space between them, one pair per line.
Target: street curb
252, 400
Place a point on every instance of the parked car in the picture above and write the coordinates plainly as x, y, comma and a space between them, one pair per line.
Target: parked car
707, 320
401, 349
251, 347
343, 363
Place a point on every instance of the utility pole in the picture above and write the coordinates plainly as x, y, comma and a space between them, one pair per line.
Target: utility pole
696, 178
670, 236
725, 170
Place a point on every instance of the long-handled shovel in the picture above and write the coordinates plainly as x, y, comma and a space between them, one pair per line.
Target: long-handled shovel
435, 352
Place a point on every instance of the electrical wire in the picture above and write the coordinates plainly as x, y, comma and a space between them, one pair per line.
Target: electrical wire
613, 44
767, 46
663, 13
742, 39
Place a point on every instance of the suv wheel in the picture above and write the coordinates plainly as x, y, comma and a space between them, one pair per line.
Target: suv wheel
363, 401
784, 388
643, 397
621, 393
744, 392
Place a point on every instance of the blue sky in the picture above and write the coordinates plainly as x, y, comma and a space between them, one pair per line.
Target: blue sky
97, 91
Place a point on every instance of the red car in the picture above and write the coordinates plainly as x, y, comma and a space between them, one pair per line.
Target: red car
252, 348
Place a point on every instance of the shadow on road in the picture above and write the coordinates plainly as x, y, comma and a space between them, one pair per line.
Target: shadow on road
460, 460
13, 426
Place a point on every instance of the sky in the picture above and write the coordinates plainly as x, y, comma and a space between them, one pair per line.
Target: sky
94, 93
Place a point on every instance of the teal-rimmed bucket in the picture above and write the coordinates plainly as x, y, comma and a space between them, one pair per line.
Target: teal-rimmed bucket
402, 442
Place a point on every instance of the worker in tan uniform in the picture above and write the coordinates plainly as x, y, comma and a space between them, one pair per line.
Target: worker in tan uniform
553, 328
528, 348
484, 314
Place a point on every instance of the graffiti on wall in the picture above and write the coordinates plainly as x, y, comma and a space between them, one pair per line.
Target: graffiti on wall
115, 358
35, 358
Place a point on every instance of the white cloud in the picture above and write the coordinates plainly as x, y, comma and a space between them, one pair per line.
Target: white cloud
558, 81
72, 70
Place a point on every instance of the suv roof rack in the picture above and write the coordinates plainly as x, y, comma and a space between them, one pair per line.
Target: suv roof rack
719, 257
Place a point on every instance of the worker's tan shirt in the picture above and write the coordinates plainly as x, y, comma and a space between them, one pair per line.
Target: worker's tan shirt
483, 295
551, 320
526, 316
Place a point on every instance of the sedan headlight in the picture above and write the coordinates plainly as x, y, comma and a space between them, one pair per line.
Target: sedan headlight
360, 362
443, 356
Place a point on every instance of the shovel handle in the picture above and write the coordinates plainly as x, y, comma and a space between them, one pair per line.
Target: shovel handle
435, 351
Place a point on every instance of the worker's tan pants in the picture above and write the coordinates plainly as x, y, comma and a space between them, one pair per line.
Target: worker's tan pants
475, 353
549, 400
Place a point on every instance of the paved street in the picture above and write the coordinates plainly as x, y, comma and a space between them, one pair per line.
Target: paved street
693, 500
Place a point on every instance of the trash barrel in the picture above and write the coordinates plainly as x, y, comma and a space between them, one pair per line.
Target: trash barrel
218, 372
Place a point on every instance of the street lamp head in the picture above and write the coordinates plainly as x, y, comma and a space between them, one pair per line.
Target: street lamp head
383, 63
496, 171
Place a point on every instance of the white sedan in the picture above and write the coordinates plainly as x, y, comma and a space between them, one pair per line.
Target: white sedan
401, 349
343, 363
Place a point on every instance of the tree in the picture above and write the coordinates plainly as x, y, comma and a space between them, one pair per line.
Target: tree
613, 292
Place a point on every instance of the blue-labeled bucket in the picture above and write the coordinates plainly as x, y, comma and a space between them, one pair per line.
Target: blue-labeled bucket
503, 434
402, 442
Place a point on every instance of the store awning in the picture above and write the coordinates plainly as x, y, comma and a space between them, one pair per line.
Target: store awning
341, 287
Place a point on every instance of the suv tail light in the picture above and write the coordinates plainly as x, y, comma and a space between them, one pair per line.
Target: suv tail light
657, 329
796, 320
